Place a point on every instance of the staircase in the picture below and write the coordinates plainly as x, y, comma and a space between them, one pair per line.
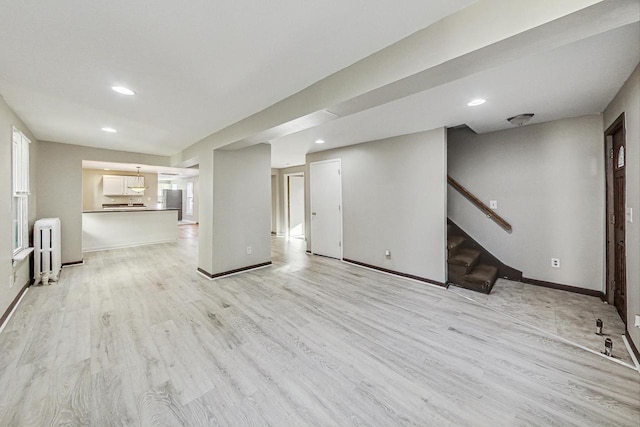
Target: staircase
470, 265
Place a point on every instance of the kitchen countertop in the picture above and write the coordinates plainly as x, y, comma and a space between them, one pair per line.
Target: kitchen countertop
131, 209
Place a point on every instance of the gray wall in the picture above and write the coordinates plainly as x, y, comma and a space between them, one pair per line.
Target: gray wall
295, 200
205, 213
241, 208
21, 273
394, 198
59, 186
548, 180
628, 101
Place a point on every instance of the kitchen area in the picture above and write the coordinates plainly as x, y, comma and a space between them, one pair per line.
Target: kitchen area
128, 205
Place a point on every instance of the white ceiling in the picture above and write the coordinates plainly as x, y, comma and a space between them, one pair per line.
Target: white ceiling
577, 79
197, 66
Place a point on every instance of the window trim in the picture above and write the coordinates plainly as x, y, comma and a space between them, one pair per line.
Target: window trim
20, 186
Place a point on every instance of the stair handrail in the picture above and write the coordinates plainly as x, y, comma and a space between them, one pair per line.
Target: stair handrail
478, 203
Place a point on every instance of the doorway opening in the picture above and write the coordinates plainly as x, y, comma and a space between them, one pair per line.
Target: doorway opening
616, 216
294, 205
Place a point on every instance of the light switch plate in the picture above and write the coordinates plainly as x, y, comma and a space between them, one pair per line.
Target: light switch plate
637, 322
493, 204
629, 214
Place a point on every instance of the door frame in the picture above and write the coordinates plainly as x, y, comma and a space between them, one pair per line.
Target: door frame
609, 155
287, 214
309, 234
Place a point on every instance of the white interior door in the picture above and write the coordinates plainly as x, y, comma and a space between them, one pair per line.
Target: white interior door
325, 183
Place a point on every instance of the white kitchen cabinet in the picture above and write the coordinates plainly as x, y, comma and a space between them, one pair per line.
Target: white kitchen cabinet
112, 185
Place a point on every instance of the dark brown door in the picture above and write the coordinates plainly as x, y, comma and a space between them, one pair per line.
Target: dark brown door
616, 233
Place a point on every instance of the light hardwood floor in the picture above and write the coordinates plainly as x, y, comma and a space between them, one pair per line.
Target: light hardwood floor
566, 314
137, 337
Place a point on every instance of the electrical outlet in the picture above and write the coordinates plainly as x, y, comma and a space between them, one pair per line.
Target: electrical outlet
11, 281
555, 262
248, 250
493, 204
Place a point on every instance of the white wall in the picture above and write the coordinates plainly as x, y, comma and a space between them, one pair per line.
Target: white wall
59, 186
394, 198
241, 208
627, 101
548, 180
21, 273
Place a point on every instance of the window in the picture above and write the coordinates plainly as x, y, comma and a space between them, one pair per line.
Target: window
190, 198
620, 157
20, 201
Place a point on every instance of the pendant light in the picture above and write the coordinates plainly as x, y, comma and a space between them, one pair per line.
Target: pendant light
138, 183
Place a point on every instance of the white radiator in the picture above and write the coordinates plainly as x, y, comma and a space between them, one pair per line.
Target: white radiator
47, 255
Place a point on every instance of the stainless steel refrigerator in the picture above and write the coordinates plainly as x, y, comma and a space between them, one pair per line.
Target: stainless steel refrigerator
172, 199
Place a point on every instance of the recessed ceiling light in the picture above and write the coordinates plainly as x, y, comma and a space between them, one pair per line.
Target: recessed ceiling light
110, 130
476, 102
319, 141
107, 169
123, 90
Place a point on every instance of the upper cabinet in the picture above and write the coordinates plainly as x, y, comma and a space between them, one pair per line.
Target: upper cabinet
113, 185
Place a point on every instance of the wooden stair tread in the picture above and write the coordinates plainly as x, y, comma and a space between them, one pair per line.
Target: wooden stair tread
482, 274
465, 257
